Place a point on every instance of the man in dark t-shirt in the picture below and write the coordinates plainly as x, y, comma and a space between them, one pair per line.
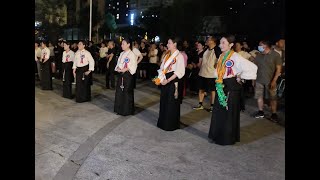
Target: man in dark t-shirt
269, 69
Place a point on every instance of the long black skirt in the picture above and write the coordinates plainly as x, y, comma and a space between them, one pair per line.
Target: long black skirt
67, 78
46, 79
83, 87
169, 114
124, 98
225, 124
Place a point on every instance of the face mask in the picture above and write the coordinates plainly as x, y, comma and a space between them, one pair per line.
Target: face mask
260, 48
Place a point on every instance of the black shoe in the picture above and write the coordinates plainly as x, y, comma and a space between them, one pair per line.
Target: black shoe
274, 118
259, 114
210, 109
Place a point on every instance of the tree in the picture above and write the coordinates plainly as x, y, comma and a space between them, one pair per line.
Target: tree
48, 12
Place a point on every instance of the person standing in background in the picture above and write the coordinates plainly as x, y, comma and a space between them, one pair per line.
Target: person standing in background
37, 59
46, 80
67, 75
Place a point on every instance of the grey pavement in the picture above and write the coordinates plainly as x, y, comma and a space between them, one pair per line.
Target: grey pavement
87, 141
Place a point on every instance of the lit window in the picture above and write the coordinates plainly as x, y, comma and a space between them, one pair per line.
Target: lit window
140, 12
117, 9
230, 7
126, 14
109, 4
114, 7
142, 16
117, 3
152, 15
127, 5
244, 4
272, 2
156, 16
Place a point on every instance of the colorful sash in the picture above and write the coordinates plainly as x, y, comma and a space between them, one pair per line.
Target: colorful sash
221, 69
169, 60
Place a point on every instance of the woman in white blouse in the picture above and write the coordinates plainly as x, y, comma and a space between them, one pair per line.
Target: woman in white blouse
46, 80
83, 66
67, 77
126, 67
231, 68
171, 70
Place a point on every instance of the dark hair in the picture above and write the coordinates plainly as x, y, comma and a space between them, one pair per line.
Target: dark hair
138, 41
234, 47
67, 43
180, 47
128, 41
277, 40
230, 38
267, 43
176, 40
103, 42
44, 42
83, 42
201, 42
215, 40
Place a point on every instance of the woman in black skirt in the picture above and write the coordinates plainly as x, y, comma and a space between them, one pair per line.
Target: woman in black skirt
67, 76
126, 67
83, 65
45, 64
171, 70
231, 68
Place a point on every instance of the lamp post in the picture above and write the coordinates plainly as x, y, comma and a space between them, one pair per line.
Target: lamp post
90, 24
